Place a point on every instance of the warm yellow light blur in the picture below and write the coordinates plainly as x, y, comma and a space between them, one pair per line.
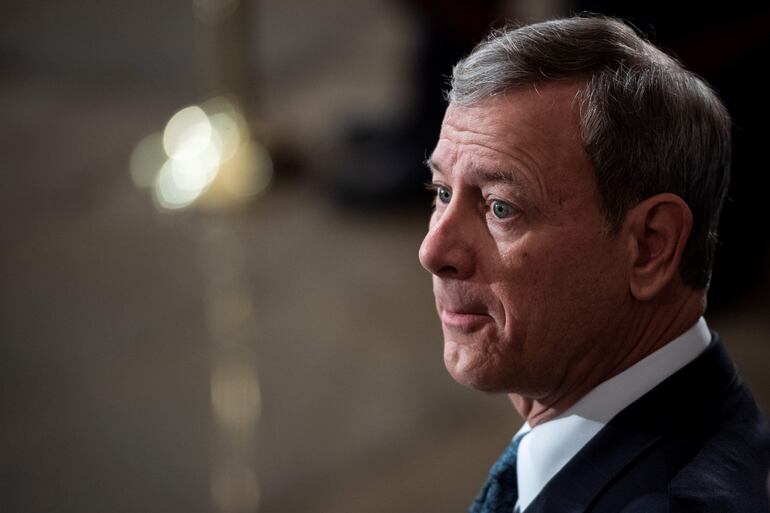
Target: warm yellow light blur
227, 134
147, 159
235, 489
230, 129
209, 156
180, 182
235, 395
187, 133
193, 160
254, 174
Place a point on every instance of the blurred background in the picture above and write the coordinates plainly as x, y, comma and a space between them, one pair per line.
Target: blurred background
211, 210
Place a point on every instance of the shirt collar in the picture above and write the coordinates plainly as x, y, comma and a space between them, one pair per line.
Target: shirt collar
549, 446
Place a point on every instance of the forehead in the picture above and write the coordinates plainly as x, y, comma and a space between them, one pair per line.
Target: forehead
530, 134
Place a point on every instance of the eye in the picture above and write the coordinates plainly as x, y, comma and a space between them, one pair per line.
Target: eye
443, 194
501, 210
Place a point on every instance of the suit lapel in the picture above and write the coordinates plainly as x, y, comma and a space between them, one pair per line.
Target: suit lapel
574, 488
683, 403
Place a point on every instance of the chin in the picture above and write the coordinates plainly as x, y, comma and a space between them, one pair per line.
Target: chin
473, 370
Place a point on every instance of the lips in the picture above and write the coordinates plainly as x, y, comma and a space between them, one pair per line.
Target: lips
468, 316
464, 321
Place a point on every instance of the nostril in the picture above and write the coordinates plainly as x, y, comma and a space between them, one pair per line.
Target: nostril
447, 269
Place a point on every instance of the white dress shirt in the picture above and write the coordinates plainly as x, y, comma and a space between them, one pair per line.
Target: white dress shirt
550, 445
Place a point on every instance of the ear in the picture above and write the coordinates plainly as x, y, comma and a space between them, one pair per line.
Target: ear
658, 229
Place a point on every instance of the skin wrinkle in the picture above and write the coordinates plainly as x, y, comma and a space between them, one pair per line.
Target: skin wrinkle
606, 55
556, 290
494, 176
520, 169
589, 347
513, 175
529, 162
562, 197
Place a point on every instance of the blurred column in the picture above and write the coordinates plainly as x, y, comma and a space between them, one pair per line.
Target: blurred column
203, 168
223, 37
223, 42
236, 398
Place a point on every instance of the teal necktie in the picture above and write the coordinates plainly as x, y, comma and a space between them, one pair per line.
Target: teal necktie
501, 489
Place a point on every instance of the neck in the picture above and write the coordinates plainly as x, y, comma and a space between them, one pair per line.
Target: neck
651, 326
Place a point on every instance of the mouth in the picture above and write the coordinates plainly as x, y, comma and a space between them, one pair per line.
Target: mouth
463, 320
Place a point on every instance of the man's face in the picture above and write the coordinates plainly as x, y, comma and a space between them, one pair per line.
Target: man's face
528, 286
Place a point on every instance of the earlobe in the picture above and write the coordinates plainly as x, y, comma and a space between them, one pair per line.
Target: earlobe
658, 228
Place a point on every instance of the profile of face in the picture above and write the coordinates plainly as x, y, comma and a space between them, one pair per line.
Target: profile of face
528, 283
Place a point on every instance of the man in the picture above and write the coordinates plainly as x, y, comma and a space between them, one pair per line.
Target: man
578, 179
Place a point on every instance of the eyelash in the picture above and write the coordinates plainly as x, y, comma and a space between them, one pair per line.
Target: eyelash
436, 188
433, 188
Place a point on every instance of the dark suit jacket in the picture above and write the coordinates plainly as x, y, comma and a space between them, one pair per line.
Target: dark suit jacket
695, 443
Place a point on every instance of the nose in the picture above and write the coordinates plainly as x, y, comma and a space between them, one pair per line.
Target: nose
447, 249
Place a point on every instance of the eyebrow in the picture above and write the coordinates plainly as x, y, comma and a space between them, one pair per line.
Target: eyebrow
489, 175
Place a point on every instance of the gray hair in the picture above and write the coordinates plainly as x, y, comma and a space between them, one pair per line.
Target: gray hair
647, 124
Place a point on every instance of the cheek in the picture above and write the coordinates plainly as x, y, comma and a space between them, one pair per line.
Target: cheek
518, 284
543, 289
581, 289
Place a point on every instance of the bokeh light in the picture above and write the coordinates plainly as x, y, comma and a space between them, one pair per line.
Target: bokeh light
236, 396
244, 185
147, 159
235, 489
205, 153
187, 133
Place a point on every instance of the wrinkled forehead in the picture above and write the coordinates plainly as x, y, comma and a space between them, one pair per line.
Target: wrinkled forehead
527, 138
538, 126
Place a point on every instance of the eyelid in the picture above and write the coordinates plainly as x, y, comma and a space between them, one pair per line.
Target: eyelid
435, 189
491, 198
433, 185
516, 211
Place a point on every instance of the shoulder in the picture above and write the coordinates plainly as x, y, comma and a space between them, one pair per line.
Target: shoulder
729, 472
724, 472
712, 454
